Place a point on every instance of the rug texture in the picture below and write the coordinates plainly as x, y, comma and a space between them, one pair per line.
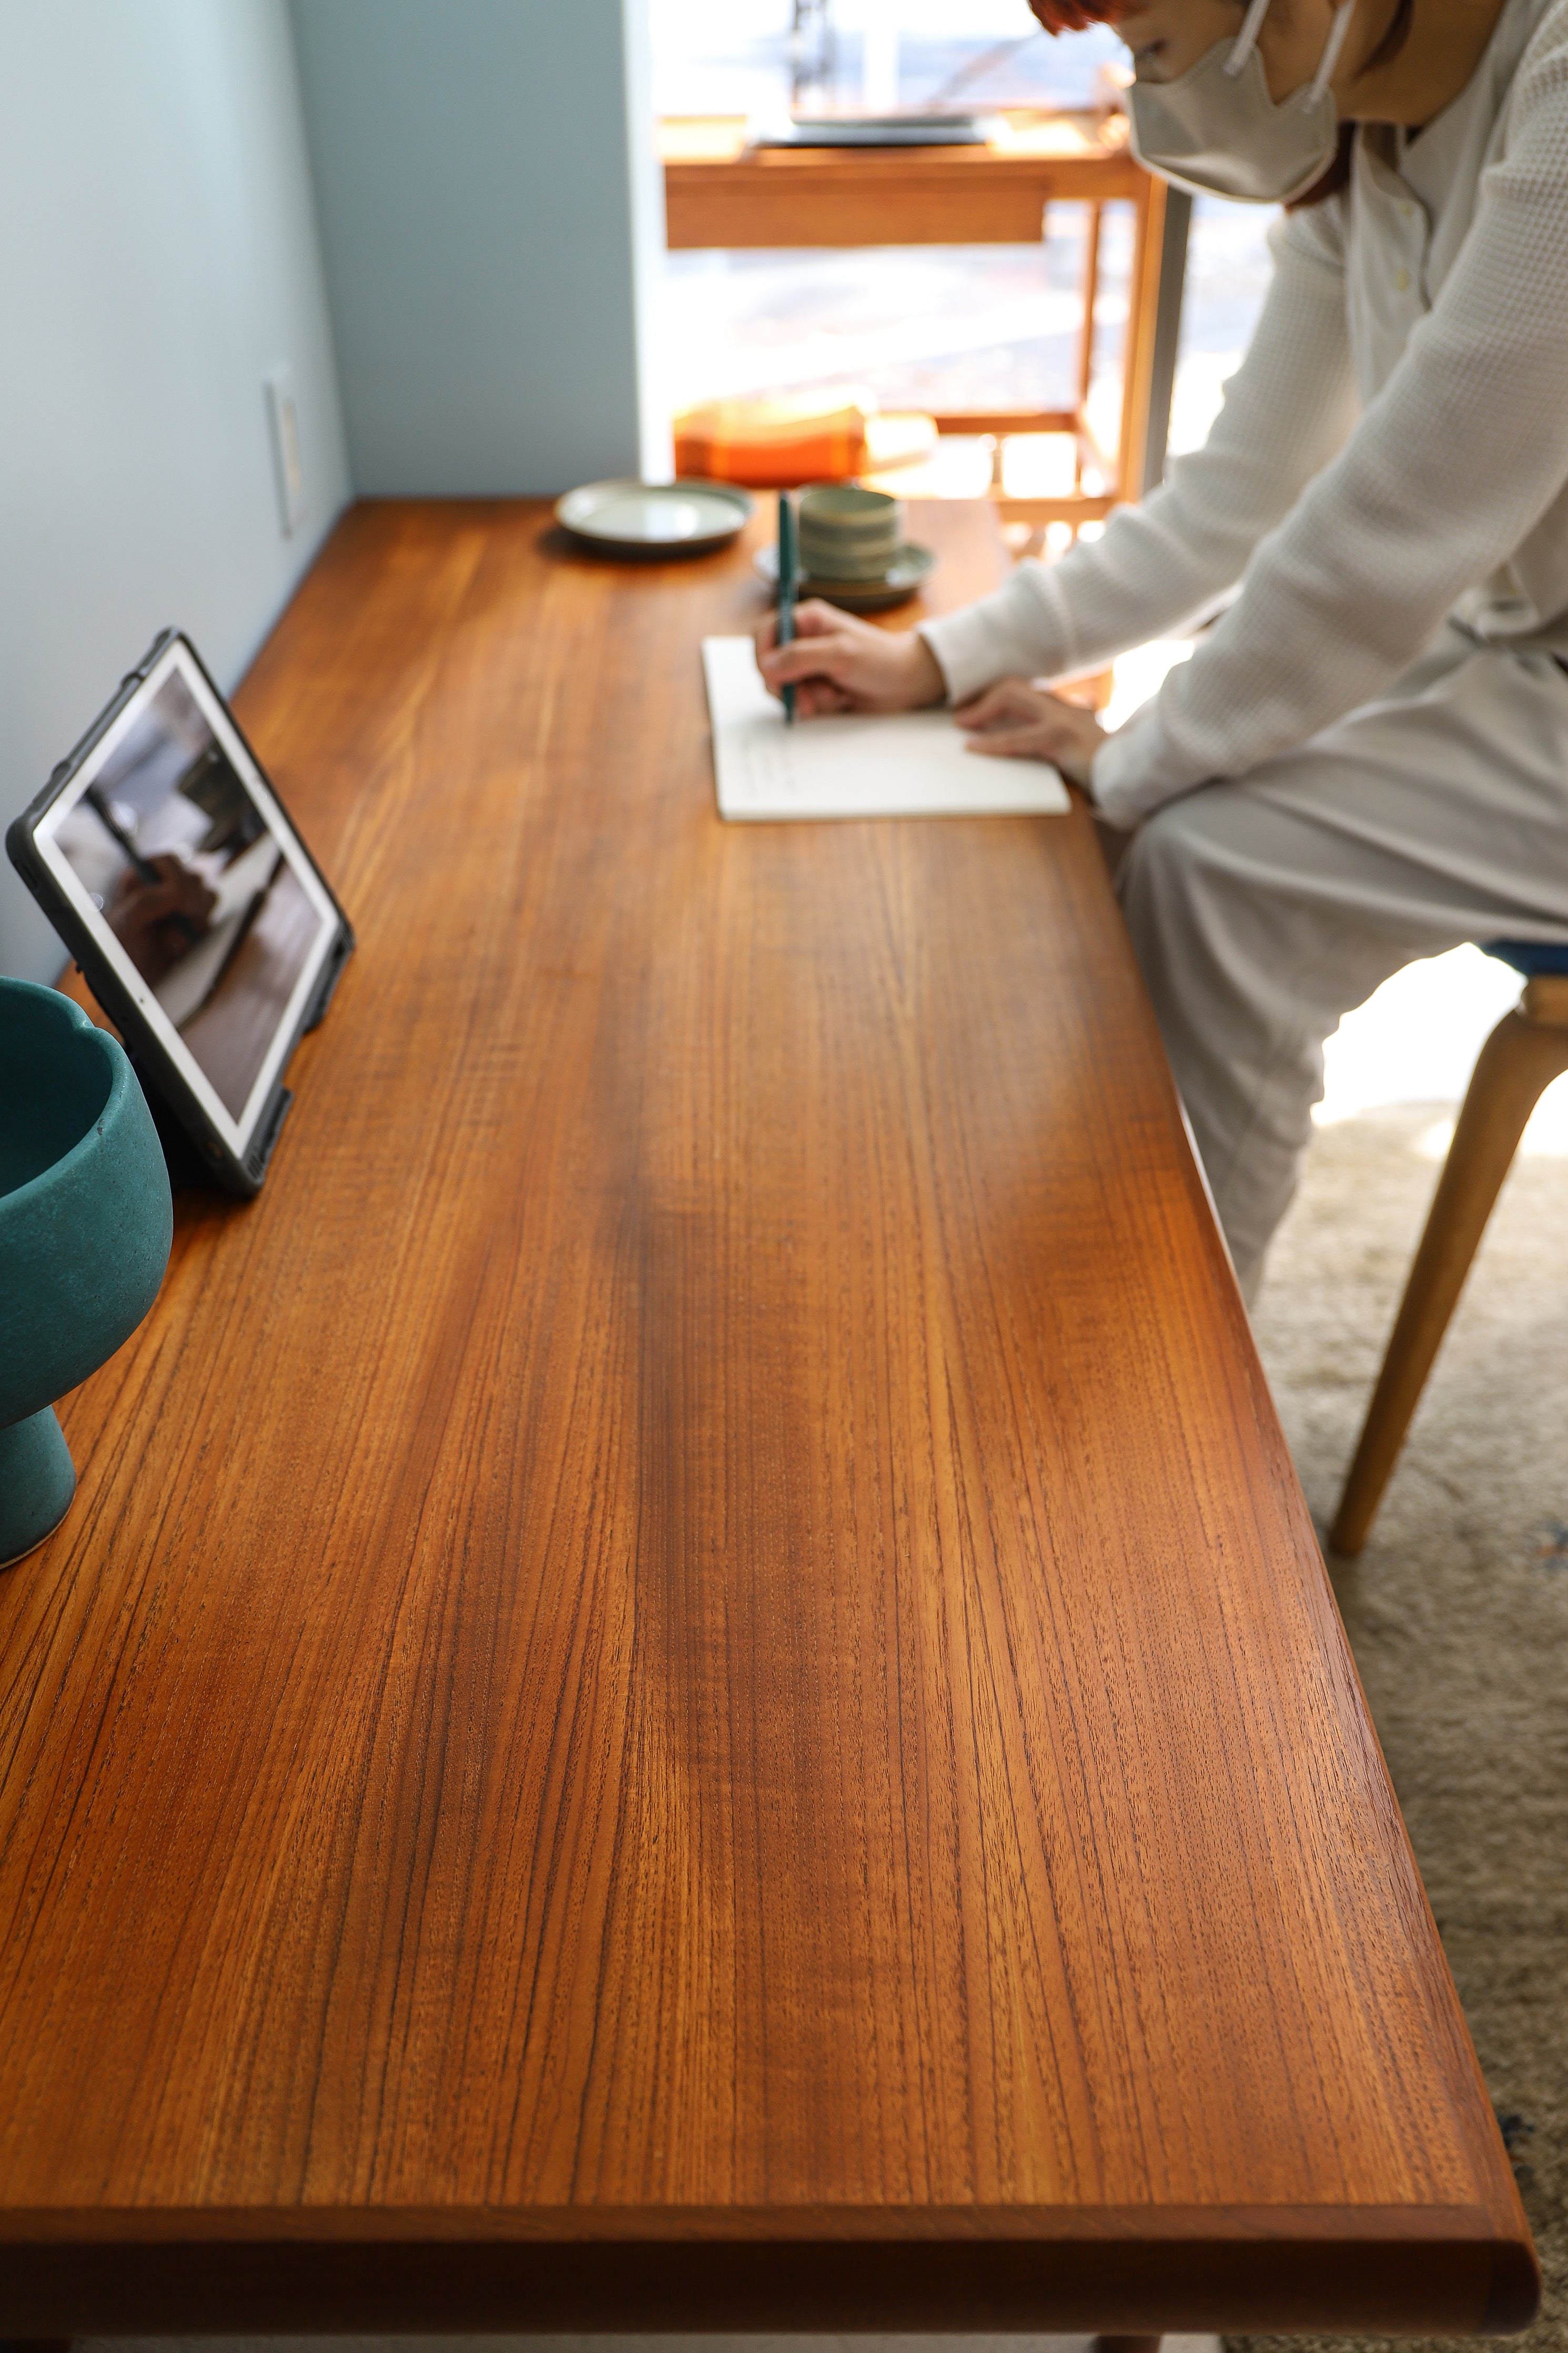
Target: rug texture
1457, 1609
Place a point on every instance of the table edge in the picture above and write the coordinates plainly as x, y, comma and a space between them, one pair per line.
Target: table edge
1378, 2270
374, 2222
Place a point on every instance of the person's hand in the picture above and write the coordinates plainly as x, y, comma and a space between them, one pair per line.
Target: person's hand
1014, 720
156, 921
837, 663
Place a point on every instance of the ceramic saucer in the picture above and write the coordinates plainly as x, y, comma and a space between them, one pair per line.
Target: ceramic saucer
908, 573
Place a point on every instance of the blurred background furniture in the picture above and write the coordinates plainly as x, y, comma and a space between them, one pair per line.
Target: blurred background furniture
721, 192
779, 441
1525, 1052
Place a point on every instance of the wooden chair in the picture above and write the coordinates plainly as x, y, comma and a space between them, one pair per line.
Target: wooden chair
1525, 1052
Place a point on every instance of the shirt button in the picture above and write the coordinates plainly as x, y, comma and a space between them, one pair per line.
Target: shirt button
1401, 281
1406, 212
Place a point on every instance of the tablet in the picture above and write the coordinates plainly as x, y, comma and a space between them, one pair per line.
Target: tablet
201, 924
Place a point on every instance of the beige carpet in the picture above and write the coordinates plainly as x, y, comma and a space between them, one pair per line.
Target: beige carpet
1457, 1609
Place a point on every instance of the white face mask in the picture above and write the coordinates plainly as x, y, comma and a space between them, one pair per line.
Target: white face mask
1217, 129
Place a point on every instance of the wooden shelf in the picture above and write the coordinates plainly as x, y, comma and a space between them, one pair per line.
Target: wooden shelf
720, 193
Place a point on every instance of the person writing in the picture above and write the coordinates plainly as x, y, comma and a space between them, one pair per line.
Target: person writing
1366, 760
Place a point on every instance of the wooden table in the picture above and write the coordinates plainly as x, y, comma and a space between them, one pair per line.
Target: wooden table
689, 1684
721, 192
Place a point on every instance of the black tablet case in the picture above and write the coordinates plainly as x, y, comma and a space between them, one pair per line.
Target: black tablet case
192, 1145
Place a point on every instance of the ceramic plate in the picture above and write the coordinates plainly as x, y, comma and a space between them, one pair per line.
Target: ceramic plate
908, 572
655, 518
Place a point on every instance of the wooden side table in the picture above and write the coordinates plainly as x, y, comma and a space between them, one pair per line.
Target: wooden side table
719, 192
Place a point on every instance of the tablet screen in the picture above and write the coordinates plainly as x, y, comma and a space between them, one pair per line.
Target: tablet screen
173, 850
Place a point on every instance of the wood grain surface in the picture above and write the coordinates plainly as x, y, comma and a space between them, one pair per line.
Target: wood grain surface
689, 1684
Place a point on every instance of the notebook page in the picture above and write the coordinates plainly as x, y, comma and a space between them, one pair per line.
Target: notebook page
900, 764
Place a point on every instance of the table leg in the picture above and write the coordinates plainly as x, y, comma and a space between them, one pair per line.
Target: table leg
1127, 2344
1086, 339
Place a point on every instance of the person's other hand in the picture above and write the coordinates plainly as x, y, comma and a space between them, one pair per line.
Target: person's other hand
838, 663
1014, 720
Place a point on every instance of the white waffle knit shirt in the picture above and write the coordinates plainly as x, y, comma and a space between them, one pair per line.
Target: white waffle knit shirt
1394, 448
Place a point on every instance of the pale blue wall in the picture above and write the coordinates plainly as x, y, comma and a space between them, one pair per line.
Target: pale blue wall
491, 217
158, 256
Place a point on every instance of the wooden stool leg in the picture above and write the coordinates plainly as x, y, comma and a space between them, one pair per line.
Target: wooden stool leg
1127, 2344
1517, 1064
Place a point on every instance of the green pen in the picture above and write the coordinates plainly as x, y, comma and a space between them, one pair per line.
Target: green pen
788, 566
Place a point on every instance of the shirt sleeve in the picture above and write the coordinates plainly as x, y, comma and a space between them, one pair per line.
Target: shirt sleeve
1459, 455
1158, 565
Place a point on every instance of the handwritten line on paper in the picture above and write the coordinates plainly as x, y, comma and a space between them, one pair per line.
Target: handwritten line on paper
900, 764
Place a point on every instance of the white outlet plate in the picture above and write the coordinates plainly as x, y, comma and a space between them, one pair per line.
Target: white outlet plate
283, 417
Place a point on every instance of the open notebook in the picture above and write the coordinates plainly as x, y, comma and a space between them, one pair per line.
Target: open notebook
906, 763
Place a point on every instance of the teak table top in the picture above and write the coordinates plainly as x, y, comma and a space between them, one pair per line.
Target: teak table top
690, 1682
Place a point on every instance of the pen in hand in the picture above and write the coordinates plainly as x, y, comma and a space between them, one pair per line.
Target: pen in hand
788, 567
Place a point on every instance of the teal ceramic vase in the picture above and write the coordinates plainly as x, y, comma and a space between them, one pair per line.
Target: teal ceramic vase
85, 1223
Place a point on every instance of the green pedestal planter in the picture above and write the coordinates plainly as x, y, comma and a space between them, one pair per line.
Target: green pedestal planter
85, 1223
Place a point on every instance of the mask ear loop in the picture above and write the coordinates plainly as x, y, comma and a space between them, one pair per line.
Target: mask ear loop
1246, 39
1325, 72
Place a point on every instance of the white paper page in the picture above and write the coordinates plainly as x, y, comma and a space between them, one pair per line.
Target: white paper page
900, 764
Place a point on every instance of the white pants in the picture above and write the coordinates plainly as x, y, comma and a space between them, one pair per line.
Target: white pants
1264, 908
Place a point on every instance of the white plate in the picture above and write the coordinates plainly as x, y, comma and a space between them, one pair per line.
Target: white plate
655, 518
